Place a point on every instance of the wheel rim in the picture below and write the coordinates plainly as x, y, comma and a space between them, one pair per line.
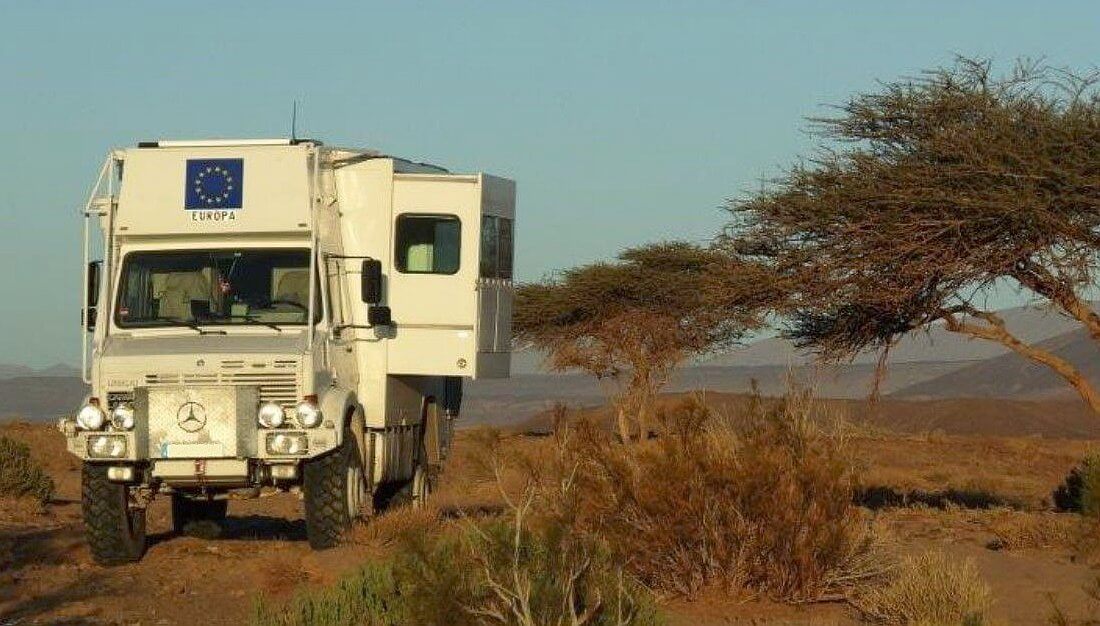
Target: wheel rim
132, 519
419, 487
354, 490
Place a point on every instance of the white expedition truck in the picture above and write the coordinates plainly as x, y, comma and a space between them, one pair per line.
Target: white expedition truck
279, 314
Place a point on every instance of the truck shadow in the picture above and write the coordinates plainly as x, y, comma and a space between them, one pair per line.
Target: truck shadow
243, 528
77, 593
26, 547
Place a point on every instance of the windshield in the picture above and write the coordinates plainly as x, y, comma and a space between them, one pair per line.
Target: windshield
266, 287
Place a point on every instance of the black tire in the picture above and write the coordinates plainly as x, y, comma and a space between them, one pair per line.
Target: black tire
186, 511
330, 505
115, 532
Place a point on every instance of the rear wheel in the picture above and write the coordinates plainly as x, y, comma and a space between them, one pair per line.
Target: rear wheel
115, 530
334, 485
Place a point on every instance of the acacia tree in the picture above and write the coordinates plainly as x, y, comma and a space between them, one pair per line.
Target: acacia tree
632, 321
929, 193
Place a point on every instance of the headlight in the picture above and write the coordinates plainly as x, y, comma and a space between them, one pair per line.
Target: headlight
309, 414
271, 415
91, 417
107, 446
287, 443
122, 417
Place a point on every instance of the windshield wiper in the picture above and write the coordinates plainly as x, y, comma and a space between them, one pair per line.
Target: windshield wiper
252, 319
175, 321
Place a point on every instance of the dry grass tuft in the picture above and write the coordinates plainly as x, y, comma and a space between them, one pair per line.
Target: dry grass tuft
929, 590
1014, 530
397, 524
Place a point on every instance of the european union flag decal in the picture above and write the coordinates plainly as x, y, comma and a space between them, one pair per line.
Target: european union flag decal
214, 184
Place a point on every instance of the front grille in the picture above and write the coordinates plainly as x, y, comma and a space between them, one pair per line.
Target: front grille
280, 387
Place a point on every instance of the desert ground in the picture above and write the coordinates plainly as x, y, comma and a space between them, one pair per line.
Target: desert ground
983, 495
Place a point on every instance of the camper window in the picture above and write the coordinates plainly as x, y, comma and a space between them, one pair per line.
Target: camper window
496, 247
428, 244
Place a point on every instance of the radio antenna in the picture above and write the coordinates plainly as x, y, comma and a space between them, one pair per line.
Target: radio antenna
294, 122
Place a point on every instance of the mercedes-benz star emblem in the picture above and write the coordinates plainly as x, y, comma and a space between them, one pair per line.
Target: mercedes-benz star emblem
191, 417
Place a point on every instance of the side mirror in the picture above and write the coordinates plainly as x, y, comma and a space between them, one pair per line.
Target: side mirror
371, 286
93, 294
379, 316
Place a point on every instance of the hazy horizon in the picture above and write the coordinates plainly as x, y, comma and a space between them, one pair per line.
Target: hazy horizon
621, 123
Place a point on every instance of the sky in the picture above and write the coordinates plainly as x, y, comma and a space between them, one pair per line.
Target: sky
621, 122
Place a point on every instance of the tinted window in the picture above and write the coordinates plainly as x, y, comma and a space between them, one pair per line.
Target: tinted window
428, 244
506, 248
496, 247
490, 244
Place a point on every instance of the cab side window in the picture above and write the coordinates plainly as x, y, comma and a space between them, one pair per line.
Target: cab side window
428, 244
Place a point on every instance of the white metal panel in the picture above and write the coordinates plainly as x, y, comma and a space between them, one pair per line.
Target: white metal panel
436, 314
275, 192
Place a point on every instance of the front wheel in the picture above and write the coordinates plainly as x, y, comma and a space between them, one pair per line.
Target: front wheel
115, 530
334, 485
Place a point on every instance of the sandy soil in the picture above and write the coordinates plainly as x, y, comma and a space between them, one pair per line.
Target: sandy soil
947, 483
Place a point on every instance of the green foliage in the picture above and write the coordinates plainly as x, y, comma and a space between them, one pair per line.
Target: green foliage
927, 194
1080, 491
20, 476
632, 321
697, 298
367, 598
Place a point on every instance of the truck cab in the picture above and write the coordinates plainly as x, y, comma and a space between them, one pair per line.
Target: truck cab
280, 315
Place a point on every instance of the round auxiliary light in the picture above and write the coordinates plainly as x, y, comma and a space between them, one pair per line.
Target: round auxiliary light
122, 417
91, 417
309, 414
271, 415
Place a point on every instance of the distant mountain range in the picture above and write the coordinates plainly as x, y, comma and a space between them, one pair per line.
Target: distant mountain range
9, 370
1011, 376
936, 364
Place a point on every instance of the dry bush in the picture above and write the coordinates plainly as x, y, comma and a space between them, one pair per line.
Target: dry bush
929, 590
21, 476
759, 501
511, 569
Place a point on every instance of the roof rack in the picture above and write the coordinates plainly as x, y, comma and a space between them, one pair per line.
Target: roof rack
223, 143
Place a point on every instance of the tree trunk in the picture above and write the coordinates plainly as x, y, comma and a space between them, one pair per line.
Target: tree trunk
996, 331
622, 422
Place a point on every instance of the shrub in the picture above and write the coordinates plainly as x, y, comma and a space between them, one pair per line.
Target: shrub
1080, 491
929, 590
761, 501
364, 598
504, 570
20, 475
